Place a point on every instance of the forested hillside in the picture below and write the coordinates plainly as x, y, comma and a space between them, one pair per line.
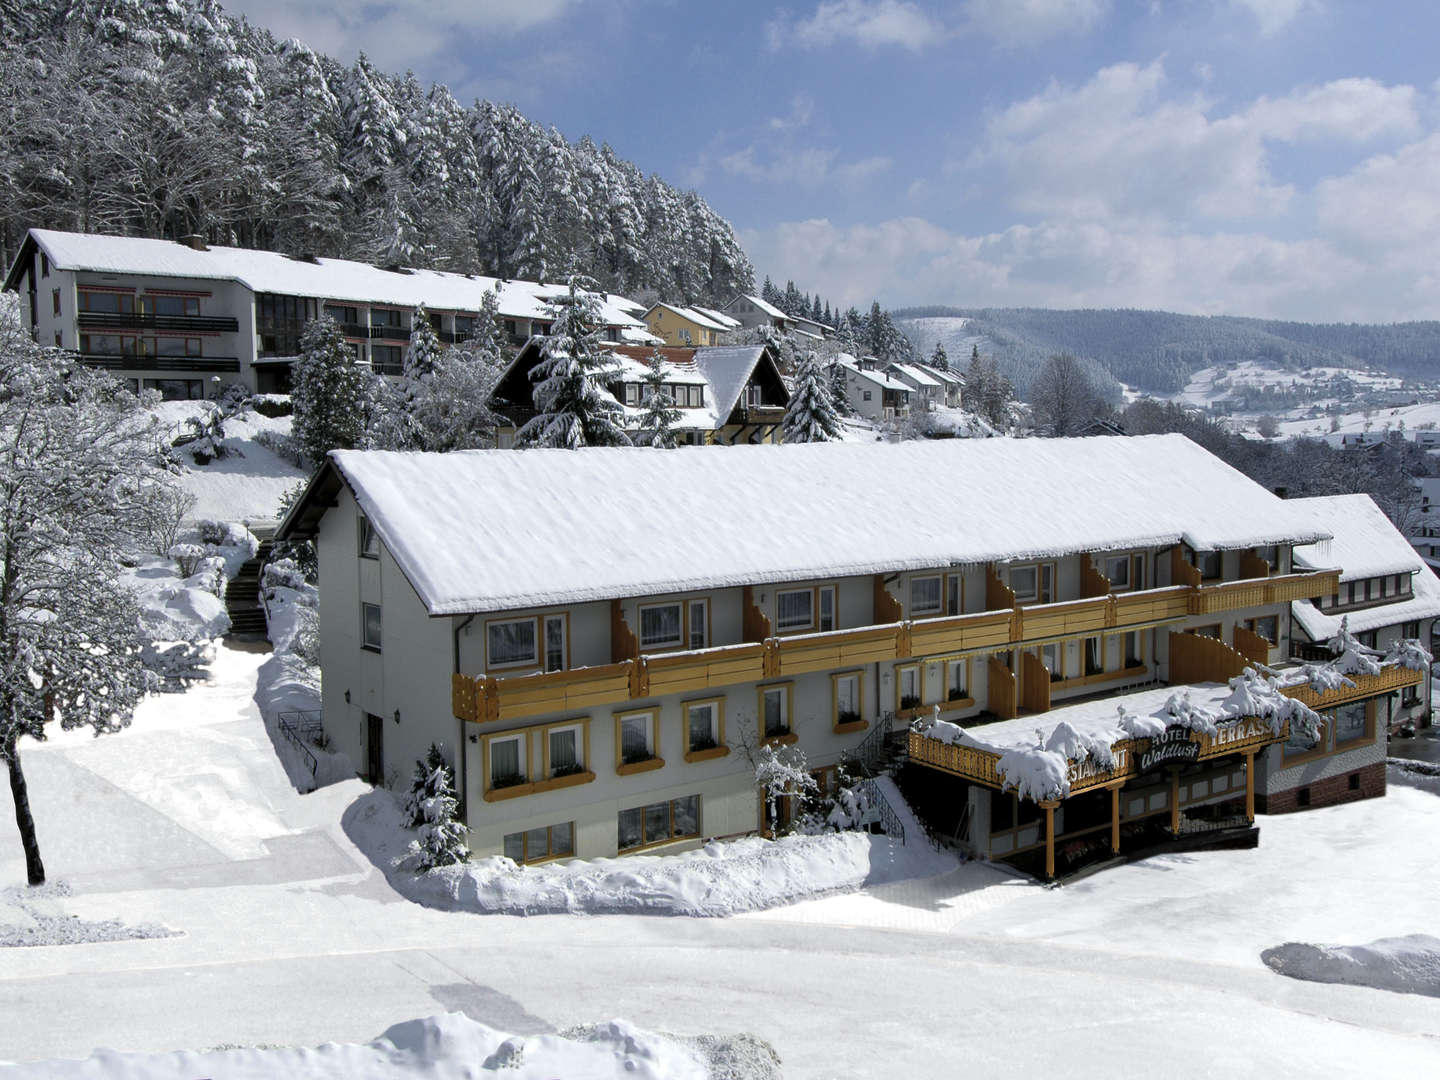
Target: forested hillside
1159, 350
165, 118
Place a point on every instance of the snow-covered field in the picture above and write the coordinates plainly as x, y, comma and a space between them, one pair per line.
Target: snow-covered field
247, 483
286, 934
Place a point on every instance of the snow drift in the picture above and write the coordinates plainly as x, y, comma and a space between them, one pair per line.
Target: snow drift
1406, 965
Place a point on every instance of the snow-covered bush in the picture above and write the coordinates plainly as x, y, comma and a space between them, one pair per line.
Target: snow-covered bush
214, 532
282, 573
306, 641
272, 405
281, 445
165, 515
187, 557
782, 773
171, 668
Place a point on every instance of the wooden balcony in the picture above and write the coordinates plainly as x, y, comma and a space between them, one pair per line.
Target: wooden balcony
958, 633
836, 649
1389, 680
484, 698
1152, 605
1064, 619
704, 669
1256, 592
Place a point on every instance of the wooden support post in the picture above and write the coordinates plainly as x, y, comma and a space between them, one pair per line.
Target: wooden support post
1115, 820
1174, 802
1049, 840
1250, 786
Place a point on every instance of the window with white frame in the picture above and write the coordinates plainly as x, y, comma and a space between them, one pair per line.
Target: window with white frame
636, 735
847, 698
369, 542
957, 680
1032, 584
907, 686
660, 626
794, 609
546, 842
827, 608
1267, 627
370, 626
510, 643
507, 760
632, 394
658, 823
1117, 569
775, 710
925, 595
702, 725
566, 748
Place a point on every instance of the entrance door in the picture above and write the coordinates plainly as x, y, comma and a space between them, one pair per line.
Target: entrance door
374, 749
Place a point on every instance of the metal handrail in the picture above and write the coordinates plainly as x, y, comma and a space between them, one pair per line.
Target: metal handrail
890, 823
871, 749
145, 320
299, 726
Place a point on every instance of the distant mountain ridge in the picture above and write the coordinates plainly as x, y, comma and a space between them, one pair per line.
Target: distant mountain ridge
1158, 351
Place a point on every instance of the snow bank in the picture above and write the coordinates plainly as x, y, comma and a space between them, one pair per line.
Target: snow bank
31, 917
722, 878
1406, 965
437, 1047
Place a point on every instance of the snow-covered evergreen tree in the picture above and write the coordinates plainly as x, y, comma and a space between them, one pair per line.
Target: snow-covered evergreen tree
810, 416
424, 785
573, 406
431, 807
77, 478
333, 394
938, 359
424, 350
657, 423
839, 392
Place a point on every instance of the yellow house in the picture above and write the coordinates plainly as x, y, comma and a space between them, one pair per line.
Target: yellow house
685, 326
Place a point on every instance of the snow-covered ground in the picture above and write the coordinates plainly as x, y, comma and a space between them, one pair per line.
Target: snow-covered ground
285, 933
1377, 422
246, 484
1202, 391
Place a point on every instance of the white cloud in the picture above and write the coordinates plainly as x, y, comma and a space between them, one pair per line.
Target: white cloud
872, 24
1118, 147
1274, 15
799, 166
1387, 209
1026, 22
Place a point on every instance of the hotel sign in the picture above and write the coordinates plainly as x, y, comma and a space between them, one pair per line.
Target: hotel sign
1174, 744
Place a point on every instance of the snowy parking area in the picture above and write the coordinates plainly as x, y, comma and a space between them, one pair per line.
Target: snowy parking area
288, 934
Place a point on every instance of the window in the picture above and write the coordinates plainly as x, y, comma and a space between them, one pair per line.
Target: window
827, 608
58, 340
699, 623
555, 651
109, 303
907, 686
369, 541
1117, 569
659, 823
386, 359
546, 842
1271, 554
384, 316
1094, 656
171, 346
506, 757
510, 643
867, 395
1267, 627
370, 626
1052, 656
795, 609
1209, 563
660, 625
632, 394
925, 595
177, 389
1350, 722
565, 750
1211, 631
1032, 583
464, 326
846, 689
635, 739
775, 711
704, 728
55, 301
954, 594
171, 305
44, 265
1130, 649
347, 317
957, 680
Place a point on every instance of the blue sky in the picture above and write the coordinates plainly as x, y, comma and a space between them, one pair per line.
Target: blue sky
1256, 157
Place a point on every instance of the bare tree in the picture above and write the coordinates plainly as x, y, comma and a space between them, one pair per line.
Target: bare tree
1063, 398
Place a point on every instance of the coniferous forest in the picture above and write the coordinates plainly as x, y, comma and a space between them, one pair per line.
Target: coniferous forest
167, 118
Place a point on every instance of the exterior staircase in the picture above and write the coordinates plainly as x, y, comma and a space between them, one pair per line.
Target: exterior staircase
242, 598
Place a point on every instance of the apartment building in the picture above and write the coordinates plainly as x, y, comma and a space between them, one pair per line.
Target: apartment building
182, 318
872, 392
601, 639
724, 395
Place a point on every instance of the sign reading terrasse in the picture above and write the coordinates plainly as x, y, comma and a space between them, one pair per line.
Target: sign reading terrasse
1174, 744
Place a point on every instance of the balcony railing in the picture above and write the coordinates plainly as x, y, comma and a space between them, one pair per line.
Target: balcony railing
1256, 592
763, 414
391, 333
110, 320
161, 363
1390, 679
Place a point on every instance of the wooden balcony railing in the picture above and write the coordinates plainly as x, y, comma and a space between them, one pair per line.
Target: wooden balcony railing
837, 649
1064, 619
703, 669
1390, 679
1257, 592
1152, 605
960, 633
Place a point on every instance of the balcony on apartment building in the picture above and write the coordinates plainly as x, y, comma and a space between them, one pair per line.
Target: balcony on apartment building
150, 320
1005, 623
137, 362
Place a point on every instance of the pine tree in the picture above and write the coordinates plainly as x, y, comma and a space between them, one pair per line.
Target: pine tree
810, 416
424, 350
938, 359
573, 408
333, 395
423, 786
657, 423
78, 480
839, 391
431, 806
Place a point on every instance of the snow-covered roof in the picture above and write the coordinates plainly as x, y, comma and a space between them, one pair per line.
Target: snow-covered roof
874, 375
1365, 545
727, 368
327, 279
493, 530
768, 309
920, 376
950, 378
727, 321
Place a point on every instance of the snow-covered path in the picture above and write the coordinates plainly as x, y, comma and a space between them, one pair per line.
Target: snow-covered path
289, 936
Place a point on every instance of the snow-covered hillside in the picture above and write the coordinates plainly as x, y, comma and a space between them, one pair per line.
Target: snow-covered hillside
247, 483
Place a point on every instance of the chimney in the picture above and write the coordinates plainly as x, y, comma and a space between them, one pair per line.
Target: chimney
195, 241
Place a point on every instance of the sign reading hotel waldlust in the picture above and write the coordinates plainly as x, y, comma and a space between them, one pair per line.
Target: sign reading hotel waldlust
1174, 744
